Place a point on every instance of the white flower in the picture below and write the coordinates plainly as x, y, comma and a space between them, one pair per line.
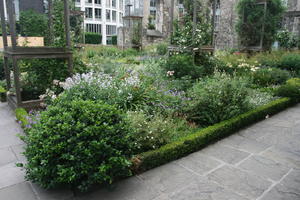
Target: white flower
170, 73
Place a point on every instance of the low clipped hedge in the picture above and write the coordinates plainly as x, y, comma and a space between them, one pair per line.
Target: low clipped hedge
93, 38
198, 140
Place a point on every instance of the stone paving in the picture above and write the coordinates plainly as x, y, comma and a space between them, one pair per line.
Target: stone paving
261, 162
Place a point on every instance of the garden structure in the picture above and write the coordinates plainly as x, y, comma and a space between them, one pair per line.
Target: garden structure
257, 41
194, 48
16, 52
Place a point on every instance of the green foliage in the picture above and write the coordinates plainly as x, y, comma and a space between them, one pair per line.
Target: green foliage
251, 20
33, 24
58, 24
183, 33
162, 49
93, 38
77, 144
287, 40
290, 61
2, 94
2, 74
22, 117
290, 89
152, 131
39, 74
217, 99
182, 65
204, 137
114, 40
270, 76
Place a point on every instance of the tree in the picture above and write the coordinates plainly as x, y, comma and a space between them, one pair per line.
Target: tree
252, 18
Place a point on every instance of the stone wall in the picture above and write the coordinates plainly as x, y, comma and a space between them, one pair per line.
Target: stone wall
226, 36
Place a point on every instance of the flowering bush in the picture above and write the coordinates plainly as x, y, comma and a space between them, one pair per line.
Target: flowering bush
77, 144
183, 65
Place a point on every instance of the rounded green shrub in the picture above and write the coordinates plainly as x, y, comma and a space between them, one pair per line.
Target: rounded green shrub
290, 61
183, 65
290, 89
270, 76
77, 144
162, 49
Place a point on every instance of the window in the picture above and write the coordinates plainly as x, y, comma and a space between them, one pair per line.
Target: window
218, 15
89, 13
111, 30
98, 2
108, 15
77, 1
108, 3
114, 15
153, 3
89, 1
114, 3
98, 13
94, 28
121, 4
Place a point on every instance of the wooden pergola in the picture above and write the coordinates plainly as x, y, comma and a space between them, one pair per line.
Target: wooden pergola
208, 48
16, 52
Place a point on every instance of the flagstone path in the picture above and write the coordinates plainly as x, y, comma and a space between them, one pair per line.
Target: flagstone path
261, 162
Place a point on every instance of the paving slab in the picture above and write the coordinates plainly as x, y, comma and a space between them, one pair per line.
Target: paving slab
265, 167
198, 163
284, 156
226, 154
21, 191
167, 178
249, 185
204, 189
10, 175
6, 156
245, 144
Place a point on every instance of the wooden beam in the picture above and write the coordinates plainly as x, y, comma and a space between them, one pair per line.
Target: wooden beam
171, 19
12, 22
67, 23
3, 24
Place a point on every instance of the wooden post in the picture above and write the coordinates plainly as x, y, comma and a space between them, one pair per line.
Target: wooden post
263, 27
194, 18
5, 44
50, 22
67, 23
213, 23
12, 22
17, 81
171, 19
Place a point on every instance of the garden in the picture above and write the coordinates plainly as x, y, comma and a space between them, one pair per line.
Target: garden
126, 111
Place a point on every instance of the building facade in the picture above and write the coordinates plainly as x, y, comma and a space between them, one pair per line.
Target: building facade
102, 16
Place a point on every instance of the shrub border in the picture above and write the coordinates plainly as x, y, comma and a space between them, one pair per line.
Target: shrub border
197, 140
204, 137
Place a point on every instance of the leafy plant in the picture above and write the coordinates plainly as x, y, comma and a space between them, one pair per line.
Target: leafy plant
290, 61
251, 21
217, 98
162, 49
33, 24
290, 89
270, 76
287, 40
77, 144
182, 65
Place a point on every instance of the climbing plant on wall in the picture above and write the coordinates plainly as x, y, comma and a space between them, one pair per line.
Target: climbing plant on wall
252, 18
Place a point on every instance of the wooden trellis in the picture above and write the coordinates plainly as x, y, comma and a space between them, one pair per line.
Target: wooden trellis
15, 52
209, 48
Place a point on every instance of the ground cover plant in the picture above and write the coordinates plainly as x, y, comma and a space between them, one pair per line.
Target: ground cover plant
97, 123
